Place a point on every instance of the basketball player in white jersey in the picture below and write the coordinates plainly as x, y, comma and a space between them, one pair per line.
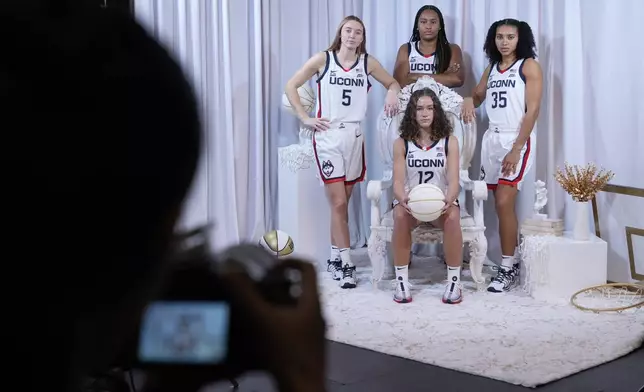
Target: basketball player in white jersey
511, 89
426, 153
338, 141
428, 52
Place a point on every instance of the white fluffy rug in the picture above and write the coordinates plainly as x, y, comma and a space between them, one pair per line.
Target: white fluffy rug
509, 337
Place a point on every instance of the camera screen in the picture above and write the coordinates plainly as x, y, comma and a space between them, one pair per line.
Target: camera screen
187, 333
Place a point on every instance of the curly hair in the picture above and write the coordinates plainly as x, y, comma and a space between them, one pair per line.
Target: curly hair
443, 50
441, 126
526, 46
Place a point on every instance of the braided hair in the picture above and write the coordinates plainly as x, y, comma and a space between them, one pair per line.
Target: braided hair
443, 50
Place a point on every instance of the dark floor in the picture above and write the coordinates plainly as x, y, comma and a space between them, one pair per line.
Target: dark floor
354, 369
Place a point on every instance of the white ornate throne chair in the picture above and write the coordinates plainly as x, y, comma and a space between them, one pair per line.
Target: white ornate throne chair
382, 223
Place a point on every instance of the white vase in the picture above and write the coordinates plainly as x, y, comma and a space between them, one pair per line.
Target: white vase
581, 231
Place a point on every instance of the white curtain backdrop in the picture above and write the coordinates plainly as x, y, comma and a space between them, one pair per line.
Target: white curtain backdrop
240, 53
221, 47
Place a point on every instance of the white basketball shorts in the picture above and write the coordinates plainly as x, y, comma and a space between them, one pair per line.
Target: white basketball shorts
339, 153
496, 144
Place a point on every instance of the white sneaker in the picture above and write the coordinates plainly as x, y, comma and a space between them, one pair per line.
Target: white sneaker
402, 294
505, 279
334, 267
453, 293
348, 279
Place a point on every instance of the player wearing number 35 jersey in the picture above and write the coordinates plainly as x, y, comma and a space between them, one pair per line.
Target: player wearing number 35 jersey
426, 153
343, 72
511, 89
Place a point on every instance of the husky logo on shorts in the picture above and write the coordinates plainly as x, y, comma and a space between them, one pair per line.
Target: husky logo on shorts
327, 168
482, 177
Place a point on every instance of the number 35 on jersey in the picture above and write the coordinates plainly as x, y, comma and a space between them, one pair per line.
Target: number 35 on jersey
505, 97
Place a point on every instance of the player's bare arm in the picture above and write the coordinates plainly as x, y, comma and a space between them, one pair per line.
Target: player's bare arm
455, 74
375, 69
311, 67
533, 91
399, 172
453, 166
468, 113
478, 95
401, 68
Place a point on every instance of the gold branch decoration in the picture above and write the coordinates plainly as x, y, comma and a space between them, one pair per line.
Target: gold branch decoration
582, 183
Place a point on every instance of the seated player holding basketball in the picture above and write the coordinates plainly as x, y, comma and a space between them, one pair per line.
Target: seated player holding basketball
426, 153
343, 72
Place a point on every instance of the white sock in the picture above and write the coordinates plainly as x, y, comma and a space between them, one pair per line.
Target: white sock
345, 256
402, 272
507, 261
335, 253
454, 274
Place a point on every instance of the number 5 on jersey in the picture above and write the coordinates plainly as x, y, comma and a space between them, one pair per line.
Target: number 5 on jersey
425, 176
346, 97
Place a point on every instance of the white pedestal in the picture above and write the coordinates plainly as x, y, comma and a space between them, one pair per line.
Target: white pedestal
542, 226
303, 208
557, 267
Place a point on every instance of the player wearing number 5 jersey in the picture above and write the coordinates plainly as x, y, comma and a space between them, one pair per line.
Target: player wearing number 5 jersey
511, 89
343, 71
426, 153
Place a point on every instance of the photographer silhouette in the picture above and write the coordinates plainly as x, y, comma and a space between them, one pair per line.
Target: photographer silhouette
101, 140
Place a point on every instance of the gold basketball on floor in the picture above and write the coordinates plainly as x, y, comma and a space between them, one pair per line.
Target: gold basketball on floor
277, 242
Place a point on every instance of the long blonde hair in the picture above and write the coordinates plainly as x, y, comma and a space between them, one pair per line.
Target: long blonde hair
337, 41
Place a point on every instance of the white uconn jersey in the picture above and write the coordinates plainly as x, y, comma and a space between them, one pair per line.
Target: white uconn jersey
342, 93
420, 63
426, 165
505, 98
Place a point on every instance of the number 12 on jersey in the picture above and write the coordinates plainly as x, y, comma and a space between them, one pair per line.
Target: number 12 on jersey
346, 97
425, 176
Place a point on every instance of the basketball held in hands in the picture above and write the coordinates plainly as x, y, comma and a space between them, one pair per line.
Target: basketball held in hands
426, 202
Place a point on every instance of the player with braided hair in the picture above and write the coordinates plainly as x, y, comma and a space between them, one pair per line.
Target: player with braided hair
428, 52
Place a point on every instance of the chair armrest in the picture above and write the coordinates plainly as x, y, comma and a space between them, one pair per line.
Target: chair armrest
375, 188
464, 178
478, 188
